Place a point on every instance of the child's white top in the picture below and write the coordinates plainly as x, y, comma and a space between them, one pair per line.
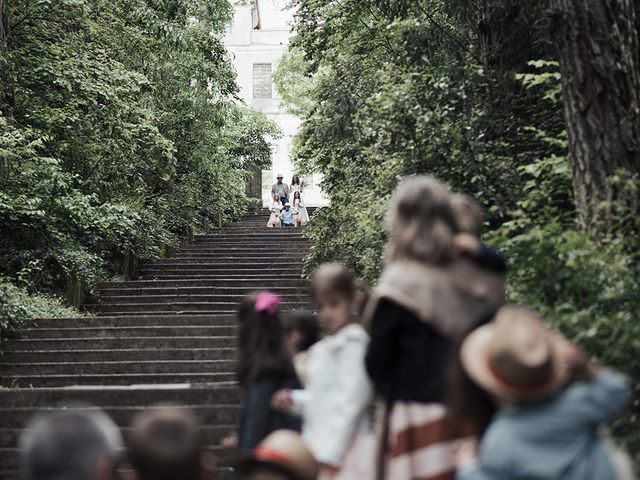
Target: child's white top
338, 392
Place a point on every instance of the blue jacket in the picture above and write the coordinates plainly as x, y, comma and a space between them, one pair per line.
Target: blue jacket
554, 440
287, 216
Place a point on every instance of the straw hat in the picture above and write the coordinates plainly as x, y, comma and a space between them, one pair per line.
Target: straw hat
516, 357
282, 451
279, 175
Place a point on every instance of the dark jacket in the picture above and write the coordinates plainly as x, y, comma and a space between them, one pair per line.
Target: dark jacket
407, 359
490, 259
257, 418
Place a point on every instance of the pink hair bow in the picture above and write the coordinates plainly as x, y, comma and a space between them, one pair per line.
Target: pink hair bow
268, 303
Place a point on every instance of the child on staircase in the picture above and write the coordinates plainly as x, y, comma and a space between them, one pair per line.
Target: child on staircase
338, 391
547, 425
264, 367
276, 209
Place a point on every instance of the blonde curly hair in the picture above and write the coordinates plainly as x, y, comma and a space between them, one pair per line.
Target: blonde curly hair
421, 222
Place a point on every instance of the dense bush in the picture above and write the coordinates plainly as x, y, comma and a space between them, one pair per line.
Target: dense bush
397, 90
120, 134
17, 307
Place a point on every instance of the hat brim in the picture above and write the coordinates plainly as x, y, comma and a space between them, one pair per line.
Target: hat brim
475, 360
245, 465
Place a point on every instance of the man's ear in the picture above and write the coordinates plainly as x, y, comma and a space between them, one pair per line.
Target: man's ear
208, 466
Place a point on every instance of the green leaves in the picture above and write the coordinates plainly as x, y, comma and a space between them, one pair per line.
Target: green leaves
392, 88
118, 134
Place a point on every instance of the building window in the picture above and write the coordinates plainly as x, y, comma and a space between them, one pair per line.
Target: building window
262, 80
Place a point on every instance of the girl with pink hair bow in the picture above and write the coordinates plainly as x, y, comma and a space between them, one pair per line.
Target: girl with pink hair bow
264, 366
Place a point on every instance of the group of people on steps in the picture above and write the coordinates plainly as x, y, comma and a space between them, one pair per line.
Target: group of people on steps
287, 208
430, 376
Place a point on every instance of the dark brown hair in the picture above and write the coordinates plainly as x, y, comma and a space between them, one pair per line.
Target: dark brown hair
166, 444
261, 344
467, 401
421, 222
305, 323
295, 180
468, 214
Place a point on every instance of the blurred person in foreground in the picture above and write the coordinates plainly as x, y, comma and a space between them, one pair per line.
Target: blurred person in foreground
334, 403
428, 296
551, 401
302, 331
81, 443
280, 456
469, 218
264, 366
166, 444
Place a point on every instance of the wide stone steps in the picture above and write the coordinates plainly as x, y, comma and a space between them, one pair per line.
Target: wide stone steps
221, 277
188, 271
222, 299
135, 320
72, 379
118, 367
215, 404
121, 354
126, 331
216, 282
169, 336
120, 342
135, 290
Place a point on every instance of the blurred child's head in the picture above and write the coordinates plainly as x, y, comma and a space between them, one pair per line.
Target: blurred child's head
515, 358
282, 455
276, 197
338, 295
261, 343
302, 330
166, 444
421, 222
296, 195
75, 442
468, 213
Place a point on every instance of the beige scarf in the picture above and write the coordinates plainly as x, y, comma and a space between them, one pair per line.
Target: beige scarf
450, 298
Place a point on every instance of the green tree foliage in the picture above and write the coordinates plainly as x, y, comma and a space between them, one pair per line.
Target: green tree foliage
450, 89
120, 133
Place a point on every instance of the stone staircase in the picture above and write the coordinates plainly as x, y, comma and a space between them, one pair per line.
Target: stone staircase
167, 337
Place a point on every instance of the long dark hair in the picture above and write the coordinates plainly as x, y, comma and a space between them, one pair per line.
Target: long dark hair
466, 400
306, 324
295, 180
261, 344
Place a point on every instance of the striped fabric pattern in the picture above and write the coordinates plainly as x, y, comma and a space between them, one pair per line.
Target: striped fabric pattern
422, 443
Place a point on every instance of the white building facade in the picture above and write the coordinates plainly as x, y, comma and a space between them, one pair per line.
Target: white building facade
256, 40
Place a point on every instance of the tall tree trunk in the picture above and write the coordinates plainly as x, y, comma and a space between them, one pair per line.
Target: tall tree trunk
598, 48
6, 89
